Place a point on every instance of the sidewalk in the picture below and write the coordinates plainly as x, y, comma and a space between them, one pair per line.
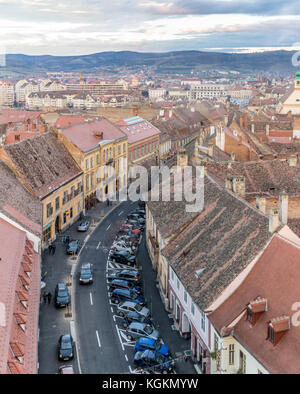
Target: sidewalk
58, 267
161, 320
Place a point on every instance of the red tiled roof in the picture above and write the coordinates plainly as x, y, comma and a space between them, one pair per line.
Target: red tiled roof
66, 121
275, 276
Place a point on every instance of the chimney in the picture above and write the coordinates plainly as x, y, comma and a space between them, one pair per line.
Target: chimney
273, 220
292, 160
210, 149
283, 207
134, 110
225, 120
289, 114
182, 158
99, 134
252, 128
33, 126
232, 156
239, 186
228, 182
241, 122
267, 129
261, 204
246, 120
220, 138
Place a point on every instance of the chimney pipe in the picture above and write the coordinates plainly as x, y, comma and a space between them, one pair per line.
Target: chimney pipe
252, 128
267, 129
261, 204
239, 186
283, 207
273, 220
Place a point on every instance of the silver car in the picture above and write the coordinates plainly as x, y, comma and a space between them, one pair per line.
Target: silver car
128, 306
83, 226
137, 330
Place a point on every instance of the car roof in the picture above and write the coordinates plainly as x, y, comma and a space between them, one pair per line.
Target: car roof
121, 281
128, 303
66, 337
137, 325
61, 286
133, 272
86, 266
146, 340
121, 291
67, 369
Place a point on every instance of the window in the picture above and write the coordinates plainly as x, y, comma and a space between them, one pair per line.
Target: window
114, 152
185, 297
98, 158
249, 315
270, 333
87, 182
193, 309
124, 148
119, 149
216, 342
46, 235
178, 284
92, 180
203, 321
242, 362
71, 212
86, 164
92, 162
72, 191
65, 217
231, 354
65, 200
49, 210
57, 203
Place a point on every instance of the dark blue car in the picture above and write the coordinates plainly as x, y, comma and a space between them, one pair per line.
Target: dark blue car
73, 247
135, 317
152, 344
124, 284
153, 361
120, 295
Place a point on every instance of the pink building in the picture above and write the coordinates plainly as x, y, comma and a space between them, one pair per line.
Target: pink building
19, 301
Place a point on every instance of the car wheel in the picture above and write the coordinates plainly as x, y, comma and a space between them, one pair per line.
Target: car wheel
129, 337
115, 301
125, 325
164, 371
121, 314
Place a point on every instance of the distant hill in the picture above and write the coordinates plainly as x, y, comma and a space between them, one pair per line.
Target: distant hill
169, 62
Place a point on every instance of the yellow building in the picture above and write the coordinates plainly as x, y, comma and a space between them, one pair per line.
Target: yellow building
49, 172
100, 149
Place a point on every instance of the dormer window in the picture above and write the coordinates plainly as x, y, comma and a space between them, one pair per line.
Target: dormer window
256, 308
277, 328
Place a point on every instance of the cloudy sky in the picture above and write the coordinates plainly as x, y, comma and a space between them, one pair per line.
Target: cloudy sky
73, 27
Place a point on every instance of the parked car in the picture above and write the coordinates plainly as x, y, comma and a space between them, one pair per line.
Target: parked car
86, 274
137, 330
83, 226
129, 275
123, 259
73, 247
61, 296
153, 361
66, 347
124, 284
129, 306
134, 317
66, 370
120, 295
151, 344
123, 249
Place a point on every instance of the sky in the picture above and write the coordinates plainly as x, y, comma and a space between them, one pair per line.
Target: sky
77, 27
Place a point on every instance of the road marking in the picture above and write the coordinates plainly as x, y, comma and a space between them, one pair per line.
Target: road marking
98, 339
126, 357
121, 213
120, 338
108, 227
130, 369
98, 246
91, 298
112, 311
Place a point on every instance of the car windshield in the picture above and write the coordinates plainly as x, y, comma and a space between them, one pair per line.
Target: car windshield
62, 293
157, 345
66, 344
138, 307
134, 296
148, 330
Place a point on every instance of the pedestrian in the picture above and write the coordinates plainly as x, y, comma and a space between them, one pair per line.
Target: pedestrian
107, 201
53, 249
49, 295
50, 248
45, 297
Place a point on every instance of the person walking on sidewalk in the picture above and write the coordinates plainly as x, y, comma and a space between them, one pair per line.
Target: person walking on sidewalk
53, 249
107, 201
50, 248
49, 295
45, 297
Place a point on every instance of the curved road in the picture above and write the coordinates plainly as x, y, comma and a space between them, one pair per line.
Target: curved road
99, 341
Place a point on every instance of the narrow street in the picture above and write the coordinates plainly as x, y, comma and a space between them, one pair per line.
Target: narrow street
101, 344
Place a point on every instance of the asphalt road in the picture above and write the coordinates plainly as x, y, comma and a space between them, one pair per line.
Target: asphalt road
98, 337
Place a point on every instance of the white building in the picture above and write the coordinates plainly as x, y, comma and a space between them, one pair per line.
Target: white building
7, 94
207, 91
155, 94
